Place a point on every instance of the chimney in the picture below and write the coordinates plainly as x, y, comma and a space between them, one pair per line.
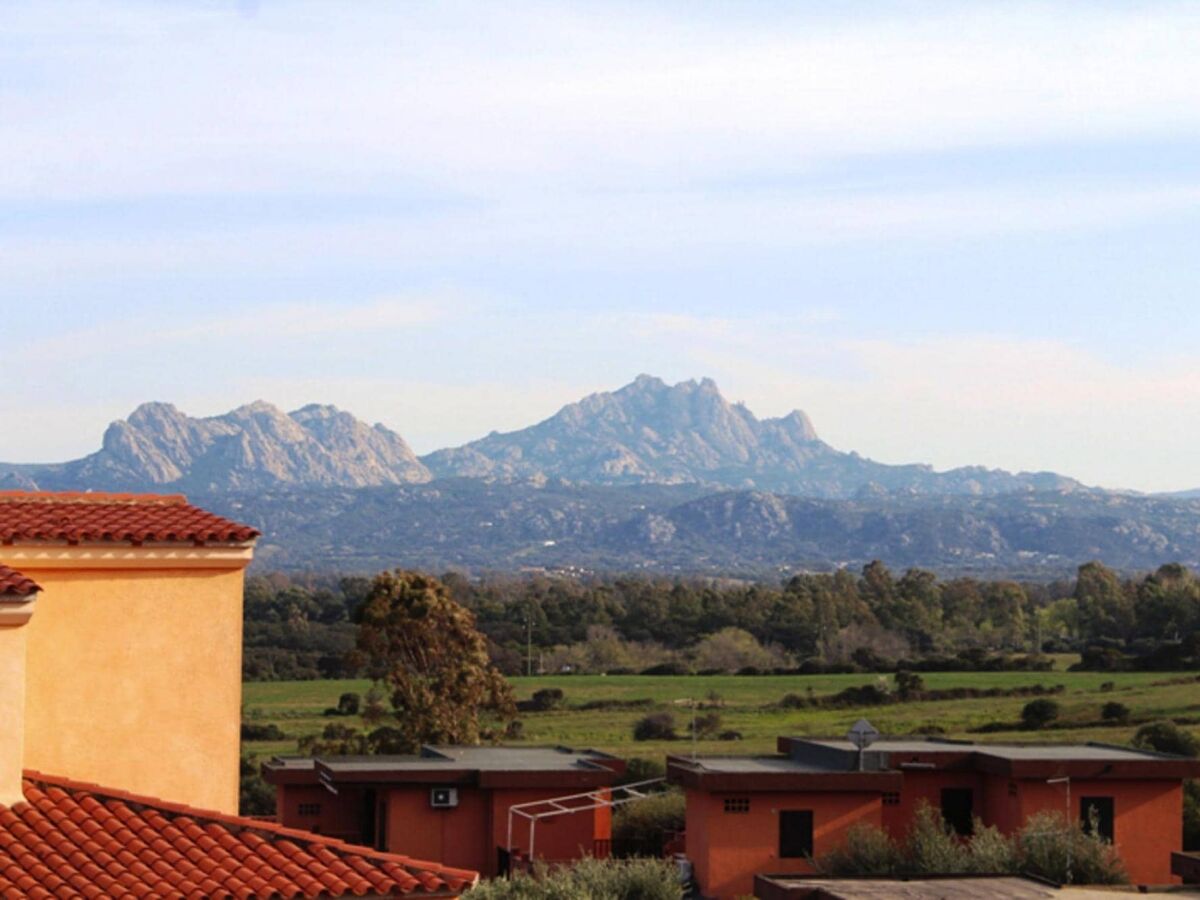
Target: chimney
18, 595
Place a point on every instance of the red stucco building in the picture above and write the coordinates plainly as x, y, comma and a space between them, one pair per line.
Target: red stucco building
452, 803
756, 815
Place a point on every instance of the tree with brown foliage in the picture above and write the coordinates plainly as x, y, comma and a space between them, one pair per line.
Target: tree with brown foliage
414, 638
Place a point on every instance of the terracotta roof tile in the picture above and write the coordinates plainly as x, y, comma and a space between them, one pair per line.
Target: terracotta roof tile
78, 840
100, 517
15, 585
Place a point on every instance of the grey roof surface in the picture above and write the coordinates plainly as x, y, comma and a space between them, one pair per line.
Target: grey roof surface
756, 764
483, 759
1097, 752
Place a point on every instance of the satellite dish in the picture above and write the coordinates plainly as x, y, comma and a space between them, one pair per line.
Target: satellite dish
862, 734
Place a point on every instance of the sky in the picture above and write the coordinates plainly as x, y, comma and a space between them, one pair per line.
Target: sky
951, 233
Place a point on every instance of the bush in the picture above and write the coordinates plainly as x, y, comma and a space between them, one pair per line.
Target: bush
641, 768
514, 730
542, 701
1166, 737
659, 726
255, 796
648, 823
867, 850
1049, 847
707, 726
1114, 712
909, 684
255, 732
931, 847
587, 879
667, 668
1108, 686
1039, 713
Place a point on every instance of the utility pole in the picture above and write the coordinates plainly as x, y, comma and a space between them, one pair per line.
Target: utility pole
529, 641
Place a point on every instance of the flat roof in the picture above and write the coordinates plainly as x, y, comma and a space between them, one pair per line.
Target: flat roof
483, 759
755, 764
1087, 752
532, 767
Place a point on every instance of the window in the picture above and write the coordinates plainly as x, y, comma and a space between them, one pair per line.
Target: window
309, 809
891, 798
957, 808
737, 804
795, 833
1096, 816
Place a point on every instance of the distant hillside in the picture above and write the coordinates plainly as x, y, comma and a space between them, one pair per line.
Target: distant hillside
483, 526
649, 432
254, 446
651, 476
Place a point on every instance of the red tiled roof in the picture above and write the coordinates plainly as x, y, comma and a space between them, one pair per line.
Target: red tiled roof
78, 840
14, 584
135, 518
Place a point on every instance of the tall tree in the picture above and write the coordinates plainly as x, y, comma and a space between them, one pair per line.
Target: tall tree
424, 646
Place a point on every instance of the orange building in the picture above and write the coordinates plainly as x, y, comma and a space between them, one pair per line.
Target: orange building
452, 803
120, 663
132, 672
760, 815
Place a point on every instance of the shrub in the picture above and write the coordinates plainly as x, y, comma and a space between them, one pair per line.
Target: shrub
646, 824
909, 684
1166, 737
1039, 713
542, 701
514, 730
867, 850
255, 732
990, 851
1050, 847
1047, 847
707, 726
641, 768
931, 847
349, 704
1114, 712
255, 796
587, 879
667, 668
659, 726
1108, 686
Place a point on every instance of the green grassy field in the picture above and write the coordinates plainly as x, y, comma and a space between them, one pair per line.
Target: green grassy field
747, 705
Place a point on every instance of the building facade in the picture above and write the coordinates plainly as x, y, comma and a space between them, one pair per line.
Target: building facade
452, 803
132, 663
759, 815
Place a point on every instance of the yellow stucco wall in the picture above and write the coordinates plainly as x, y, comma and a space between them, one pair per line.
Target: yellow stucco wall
134, 679
12, 692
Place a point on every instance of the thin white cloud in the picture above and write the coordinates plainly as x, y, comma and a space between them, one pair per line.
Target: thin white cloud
159, 99
269, 323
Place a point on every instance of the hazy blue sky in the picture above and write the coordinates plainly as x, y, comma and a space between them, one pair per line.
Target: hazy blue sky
960, 233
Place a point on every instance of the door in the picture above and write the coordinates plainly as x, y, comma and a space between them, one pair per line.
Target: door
1096, 816
795, 833
958, 810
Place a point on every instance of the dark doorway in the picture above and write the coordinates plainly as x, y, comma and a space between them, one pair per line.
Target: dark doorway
1096, 816
368, 818
958, 807
795, 833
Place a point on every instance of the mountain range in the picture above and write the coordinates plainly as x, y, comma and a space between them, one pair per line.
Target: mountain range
647, 432
648, 477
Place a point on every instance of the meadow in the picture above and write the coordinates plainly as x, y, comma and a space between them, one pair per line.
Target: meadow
750, 706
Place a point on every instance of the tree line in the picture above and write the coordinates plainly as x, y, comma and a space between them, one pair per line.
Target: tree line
303, 626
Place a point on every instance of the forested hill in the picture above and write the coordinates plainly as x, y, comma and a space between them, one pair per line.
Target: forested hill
478, 526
